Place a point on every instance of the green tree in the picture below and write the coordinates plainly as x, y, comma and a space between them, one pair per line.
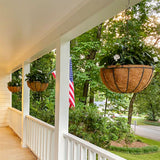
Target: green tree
114, 102
129, 28
42, 103
84, 50
17, 97
148, 100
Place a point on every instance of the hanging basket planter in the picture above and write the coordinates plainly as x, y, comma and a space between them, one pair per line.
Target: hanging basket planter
37, 86
14, 89
126, 78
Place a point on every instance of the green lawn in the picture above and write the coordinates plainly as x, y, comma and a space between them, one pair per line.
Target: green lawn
151, 156
141, 121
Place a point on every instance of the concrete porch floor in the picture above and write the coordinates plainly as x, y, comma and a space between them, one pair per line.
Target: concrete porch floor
10, 146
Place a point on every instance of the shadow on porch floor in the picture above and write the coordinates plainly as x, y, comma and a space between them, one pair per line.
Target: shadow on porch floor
10, 146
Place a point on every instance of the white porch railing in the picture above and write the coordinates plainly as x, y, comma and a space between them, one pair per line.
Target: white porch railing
79, 149
40, 138
15, 120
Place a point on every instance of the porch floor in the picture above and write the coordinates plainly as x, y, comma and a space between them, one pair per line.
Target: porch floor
10, 146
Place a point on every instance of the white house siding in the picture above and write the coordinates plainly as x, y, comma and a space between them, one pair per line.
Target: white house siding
5, 100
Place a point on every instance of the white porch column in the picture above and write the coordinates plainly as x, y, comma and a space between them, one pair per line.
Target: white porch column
25, 100
62, 98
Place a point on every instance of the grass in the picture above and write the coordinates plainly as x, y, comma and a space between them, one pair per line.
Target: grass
149, 141
152, 123
141, 121
151, 156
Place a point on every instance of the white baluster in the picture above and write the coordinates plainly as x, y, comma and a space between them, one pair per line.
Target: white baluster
33, 135
27, 131
36, 138
101, 158
68, 144
30, 129
74, 151
83, 155
44, 143
91, 155
52, 150
47, 144
39, 146
70, 150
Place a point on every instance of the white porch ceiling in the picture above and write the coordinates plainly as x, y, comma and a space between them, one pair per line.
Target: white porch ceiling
28, 28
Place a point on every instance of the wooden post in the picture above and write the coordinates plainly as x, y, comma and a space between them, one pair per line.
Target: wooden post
25, 101
62, 98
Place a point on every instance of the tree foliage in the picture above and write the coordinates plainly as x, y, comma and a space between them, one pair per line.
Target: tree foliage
84, 50
42, 103
16, 97
148, 100
125, 36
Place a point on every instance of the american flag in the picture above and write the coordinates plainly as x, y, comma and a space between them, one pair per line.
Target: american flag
71, 85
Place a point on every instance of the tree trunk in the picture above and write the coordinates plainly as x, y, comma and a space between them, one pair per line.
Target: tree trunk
105, 109
91, 97
91, 56
153, 113
131, 108
85, 91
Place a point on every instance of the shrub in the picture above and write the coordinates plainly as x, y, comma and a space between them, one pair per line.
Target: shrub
119, 129
151, 117
142, 150
43, 110
87, 122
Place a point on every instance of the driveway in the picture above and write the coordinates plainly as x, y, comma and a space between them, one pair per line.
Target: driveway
148, 131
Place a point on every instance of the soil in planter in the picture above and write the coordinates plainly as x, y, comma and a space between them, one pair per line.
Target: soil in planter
122, 143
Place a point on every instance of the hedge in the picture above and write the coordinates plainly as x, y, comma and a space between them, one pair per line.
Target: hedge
142, 150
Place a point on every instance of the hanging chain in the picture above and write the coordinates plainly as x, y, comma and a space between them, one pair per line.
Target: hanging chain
127, 25
129, 1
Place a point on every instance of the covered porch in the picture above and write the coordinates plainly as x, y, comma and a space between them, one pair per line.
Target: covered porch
29, 30
40, 142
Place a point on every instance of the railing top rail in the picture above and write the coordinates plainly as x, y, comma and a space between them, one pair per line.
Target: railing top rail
15, 110
41, 122
100, 151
